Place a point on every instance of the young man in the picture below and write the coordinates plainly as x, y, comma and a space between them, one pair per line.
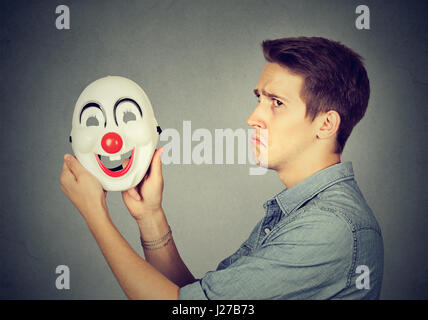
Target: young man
318, 239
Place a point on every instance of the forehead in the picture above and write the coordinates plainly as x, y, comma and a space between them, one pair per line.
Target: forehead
280, 80
107, 91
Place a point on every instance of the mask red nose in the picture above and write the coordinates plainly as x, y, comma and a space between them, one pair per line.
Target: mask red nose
111, 142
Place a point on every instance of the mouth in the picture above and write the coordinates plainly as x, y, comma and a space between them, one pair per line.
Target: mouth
255, 140
116, 166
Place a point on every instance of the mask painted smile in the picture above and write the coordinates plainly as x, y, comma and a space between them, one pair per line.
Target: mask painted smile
114, 168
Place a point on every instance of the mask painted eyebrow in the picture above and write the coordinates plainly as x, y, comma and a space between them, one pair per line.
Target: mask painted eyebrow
124, 100
270, 95
89, 105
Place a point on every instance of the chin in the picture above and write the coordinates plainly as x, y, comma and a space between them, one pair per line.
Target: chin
262, 162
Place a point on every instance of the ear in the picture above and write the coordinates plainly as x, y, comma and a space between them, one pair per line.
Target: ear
330, 122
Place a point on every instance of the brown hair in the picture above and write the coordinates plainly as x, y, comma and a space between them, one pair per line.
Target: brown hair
334, 78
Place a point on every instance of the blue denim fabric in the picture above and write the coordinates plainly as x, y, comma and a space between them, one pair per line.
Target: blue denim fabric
308, 245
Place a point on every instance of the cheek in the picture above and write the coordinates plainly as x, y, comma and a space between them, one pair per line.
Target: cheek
85, 139
138, 133
288, 136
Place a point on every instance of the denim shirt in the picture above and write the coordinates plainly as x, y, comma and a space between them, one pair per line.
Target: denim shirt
317, 240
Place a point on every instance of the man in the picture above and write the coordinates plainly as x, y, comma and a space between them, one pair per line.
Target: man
318, 239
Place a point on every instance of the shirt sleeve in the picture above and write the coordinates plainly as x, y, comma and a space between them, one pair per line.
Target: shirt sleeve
308, 258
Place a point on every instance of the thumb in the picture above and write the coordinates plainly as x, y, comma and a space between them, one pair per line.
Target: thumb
74, 165
157, 162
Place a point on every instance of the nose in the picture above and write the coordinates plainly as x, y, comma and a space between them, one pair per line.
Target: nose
255, 120
111, 142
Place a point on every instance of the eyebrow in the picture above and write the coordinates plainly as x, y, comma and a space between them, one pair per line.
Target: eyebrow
124, 100
268, 94
89, 105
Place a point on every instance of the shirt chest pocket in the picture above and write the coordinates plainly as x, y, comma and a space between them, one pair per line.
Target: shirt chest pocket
243, 250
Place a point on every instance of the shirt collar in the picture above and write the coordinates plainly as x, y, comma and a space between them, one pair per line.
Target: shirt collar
292, 198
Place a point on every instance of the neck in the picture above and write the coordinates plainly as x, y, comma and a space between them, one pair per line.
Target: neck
292, 173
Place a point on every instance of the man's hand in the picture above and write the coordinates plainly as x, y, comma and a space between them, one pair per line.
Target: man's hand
146, 198
82, 188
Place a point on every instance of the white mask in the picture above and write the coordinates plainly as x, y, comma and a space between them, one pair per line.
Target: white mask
113, 121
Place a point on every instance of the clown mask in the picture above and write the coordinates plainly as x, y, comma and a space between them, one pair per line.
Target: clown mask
114, 132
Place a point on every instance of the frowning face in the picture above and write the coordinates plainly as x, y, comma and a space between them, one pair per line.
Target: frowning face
284, 134
114, 132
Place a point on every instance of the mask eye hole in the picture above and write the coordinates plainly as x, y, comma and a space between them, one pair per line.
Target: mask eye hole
92, 115
127, 110
92, 121
129, 116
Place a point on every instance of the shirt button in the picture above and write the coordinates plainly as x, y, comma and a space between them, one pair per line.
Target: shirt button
267, 230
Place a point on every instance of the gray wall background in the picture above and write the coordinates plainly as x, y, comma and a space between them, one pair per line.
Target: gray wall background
198, 61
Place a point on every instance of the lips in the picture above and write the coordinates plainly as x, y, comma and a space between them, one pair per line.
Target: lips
256, 140
114, 168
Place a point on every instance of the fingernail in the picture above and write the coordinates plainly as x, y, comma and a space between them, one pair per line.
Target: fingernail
67, 157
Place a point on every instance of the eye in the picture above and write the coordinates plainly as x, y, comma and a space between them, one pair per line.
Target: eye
92, 116
277, 103
126, 111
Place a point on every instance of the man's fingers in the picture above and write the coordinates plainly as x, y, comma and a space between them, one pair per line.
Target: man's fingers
156, 165
134, 194
74, 165
66, 175
125, 162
